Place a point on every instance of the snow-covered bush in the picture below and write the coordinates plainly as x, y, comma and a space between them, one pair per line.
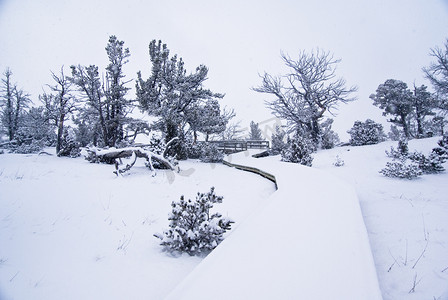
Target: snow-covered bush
328, 138
195, 150
442, 150
298, 150
410, 165
194, 229
366, 133
69, 145
211, 154
402, 168
339, 162
428, 165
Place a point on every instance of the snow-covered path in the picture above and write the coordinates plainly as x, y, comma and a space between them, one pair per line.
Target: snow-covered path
307, 242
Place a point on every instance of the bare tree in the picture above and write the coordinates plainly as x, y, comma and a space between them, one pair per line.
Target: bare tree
308, 91
60, 105
437, 73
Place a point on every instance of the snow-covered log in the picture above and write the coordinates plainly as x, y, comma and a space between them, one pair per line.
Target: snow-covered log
115, 155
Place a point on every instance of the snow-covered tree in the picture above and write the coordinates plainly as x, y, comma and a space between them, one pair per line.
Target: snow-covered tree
207, 118
396, 100
307, 92
60, 105
194, 228
169, 93
366, 133
255, 132
424, 104
106, 106
278, 142
437, 74
13, 103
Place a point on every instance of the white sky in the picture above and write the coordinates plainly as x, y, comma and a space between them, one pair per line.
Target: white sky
236, 39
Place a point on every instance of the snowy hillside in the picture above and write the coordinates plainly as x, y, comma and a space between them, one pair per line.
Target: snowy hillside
73, 230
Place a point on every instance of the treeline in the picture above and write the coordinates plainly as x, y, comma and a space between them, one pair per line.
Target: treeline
99, 107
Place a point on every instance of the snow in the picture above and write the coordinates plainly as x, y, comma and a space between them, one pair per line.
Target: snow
308, 235
74, 230
402, 217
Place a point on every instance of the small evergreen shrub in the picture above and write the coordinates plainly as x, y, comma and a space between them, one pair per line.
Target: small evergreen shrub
411, 165
298, 150
193, 228
428, 165
211, 154
339, 162
366, 133
402, 168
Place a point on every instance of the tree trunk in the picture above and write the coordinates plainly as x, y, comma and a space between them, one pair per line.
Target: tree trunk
60, 133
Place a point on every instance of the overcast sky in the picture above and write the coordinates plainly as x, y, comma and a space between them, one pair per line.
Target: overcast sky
237, 40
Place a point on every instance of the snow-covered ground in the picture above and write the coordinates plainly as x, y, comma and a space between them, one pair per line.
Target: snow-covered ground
73, 230
407, 220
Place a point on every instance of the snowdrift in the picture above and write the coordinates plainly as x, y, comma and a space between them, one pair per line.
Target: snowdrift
307, 242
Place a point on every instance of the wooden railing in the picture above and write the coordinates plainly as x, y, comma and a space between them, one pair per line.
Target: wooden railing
237, 146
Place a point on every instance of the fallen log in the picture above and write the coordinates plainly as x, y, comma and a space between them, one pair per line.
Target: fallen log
114, 155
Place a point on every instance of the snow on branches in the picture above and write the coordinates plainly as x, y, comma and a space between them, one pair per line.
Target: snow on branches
193, 229
114, 155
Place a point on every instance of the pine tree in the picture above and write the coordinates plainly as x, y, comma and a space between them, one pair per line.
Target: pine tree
278, 140
255, 132
107, 107
170, 93
397, 100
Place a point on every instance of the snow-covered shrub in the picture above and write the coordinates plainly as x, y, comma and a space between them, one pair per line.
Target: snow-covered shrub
194, 229
69, 145
339, 162
410, 165
328, 138
298, 150
366, 133
211, 154
195, 150
277, 141
442, 150
33, 146
402, 168
428, 165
